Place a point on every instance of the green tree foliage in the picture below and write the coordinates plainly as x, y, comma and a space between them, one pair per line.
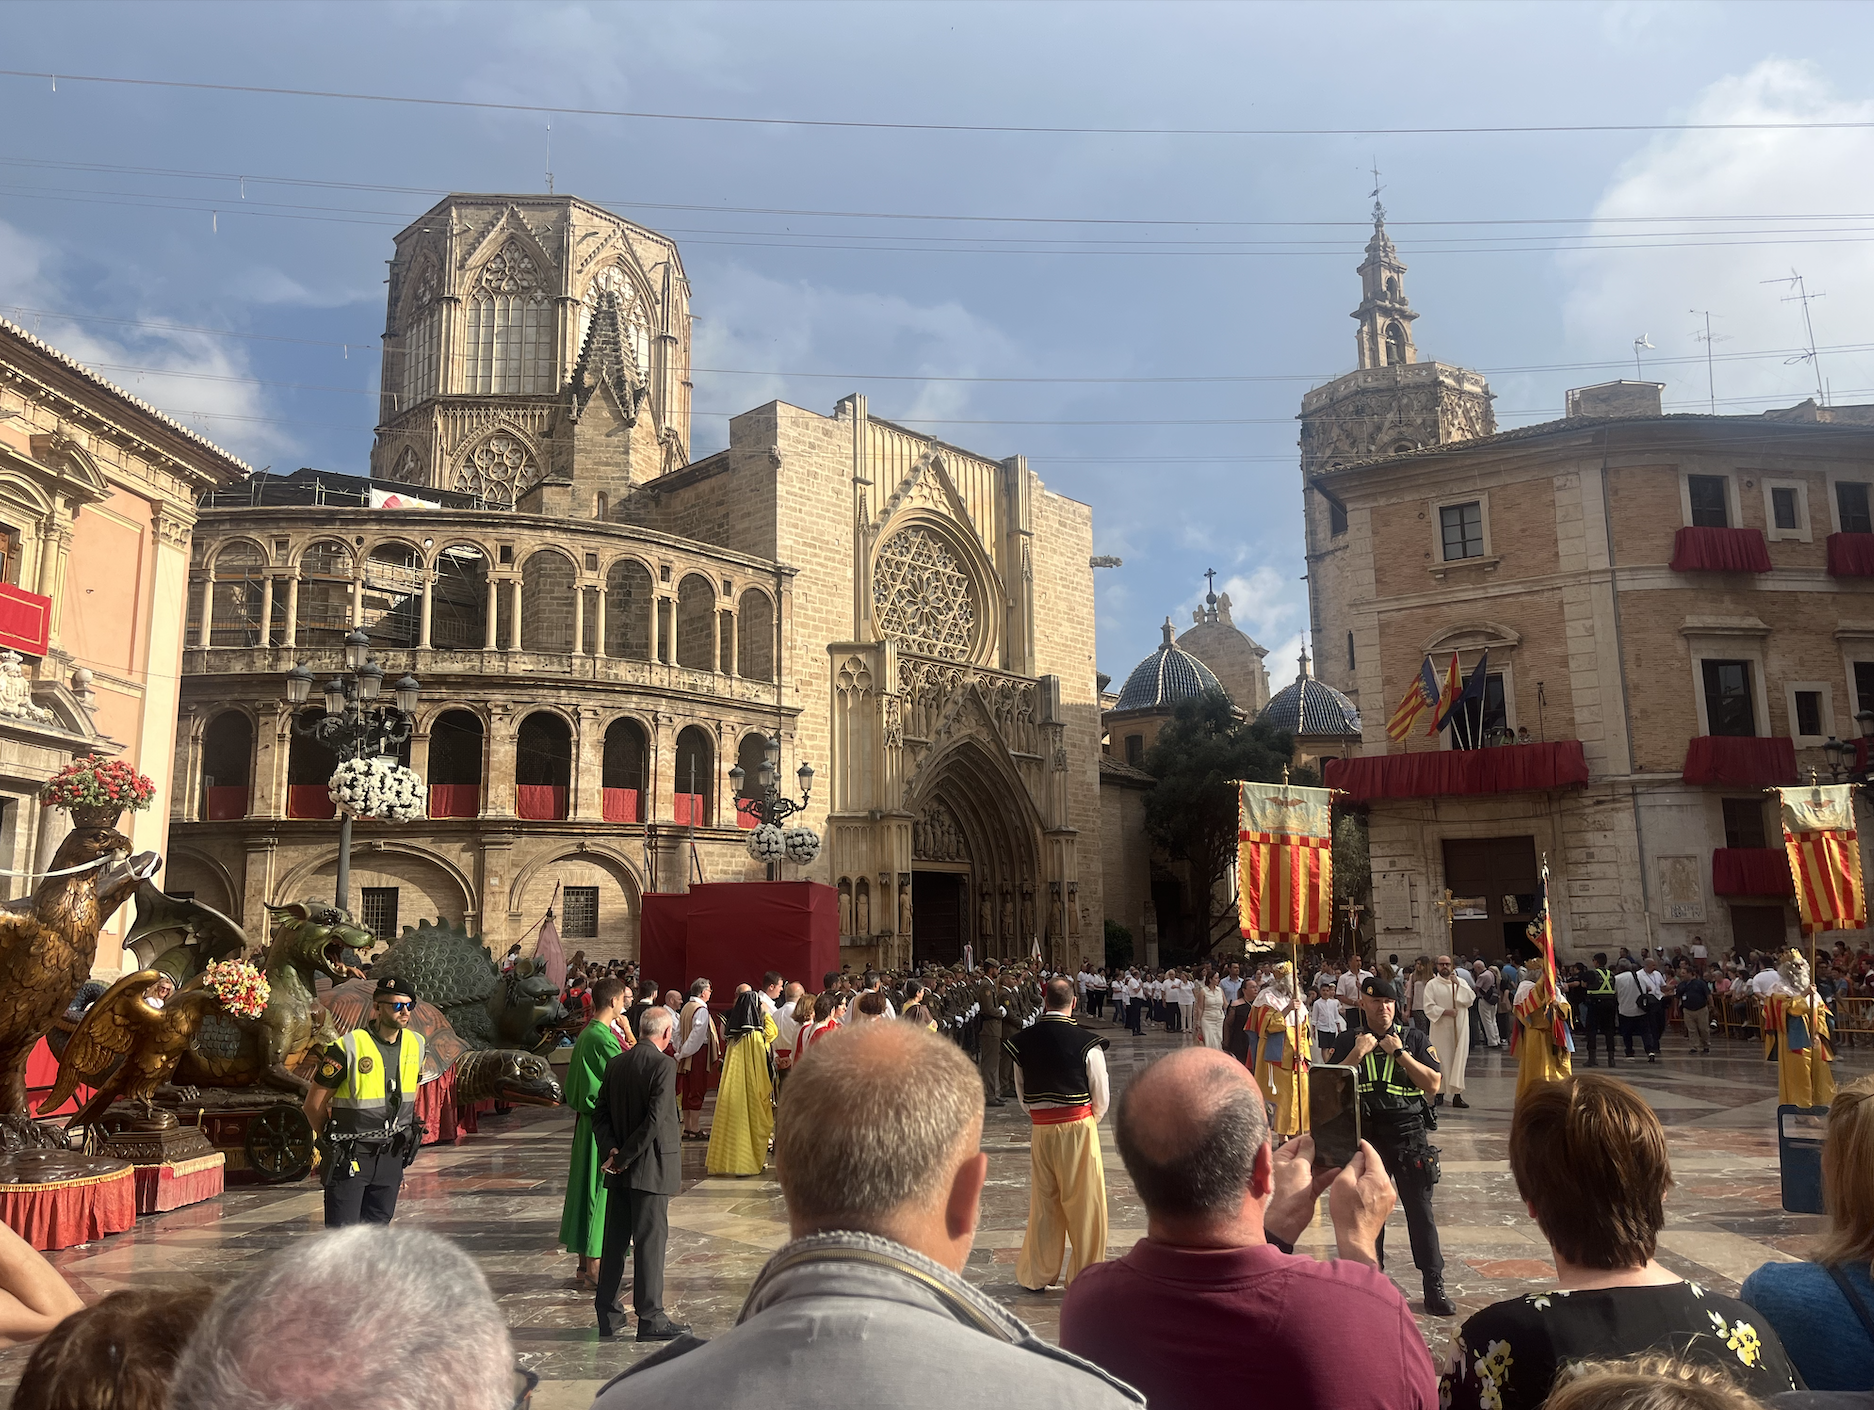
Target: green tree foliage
1118, 945
1353, 868
1203, 748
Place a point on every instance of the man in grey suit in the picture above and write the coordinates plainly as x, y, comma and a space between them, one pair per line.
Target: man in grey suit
635, 1123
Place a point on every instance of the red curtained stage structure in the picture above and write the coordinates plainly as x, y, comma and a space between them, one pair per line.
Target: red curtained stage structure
1740, 761
1751, 871
1433, 773
732, 932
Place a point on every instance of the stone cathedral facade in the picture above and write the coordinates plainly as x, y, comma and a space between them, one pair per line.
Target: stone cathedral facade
605, 625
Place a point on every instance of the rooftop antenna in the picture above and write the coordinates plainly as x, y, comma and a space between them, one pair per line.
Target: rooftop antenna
1803, 296
549, 159
1640, 344
1708, 338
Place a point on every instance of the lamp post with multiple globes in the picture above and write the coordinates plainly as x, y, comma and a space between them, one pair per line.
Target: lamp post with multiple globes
771, 805
1850, 759
354, 725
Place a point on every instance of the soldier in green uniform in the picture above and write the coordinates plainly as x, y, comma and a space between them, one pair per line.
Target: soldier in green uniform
1009, 999
1397, 1070
366, 1083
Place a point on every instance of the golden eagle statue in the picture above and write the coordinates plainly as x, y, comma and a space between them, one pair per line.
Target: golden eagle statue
125, 1047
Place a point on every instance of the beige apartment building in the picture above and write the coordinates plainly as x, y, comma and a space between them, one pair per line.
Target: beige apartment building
1678, 612
604, 628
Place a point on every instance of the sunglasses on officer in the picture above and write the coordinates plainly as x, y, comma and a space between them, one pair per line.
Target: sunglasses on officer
397, 1005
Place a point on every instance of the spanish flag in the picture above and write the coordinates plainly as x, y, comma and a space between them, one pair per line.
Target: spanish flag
1420, 696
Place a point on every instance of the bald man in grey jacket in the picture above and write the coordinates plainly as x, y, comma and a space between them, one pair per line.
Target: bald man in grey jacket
883, 1213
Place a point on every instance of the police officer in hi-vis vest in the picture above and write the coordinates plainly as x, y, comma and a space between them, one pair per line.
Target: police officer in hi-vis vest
367, 1083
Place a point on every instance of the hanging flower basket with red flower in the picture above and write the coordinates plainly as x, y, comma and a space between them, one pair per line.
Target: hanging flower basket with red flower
97, 791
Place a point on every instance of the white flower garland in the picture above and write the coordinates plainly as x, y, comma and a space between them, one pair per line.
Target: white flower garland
767, 843
377, 788
802, 844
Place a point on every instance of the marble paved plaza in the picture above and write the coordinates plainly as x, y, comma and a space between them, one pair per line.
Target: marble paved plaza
499, 1195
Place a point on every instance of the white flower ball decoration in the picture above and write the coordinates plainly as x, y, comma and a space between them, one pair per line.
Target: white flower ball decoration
377, 788
767, 843
802, 843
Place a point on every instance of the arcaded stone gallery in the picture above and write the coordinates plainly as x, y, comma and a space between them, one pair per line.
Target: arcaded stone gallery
604, 628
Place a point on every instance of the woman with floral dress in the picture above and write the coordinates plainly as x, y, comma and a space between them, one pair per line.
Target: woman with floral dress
1589, 1157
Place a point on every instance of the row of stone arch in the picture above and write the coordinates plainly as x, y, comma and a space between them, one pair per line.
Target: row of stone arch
458, 598
458, 764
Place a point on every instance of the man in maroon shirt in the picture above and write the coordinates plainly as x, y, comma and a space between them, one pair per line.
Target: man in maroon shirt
1212, 1282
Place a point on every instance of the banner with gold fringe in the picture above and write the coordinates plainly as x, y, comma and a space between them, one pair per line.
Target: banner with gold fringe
1285, 863
1824, 851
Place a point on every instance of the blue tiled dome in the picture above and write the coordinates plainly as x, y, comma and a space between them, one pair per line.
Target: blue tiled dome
1165, 677
1311, 708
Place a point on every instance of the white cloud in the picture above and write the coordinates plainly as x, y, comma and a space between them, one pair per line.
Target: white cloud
1620, 294
186, 375
750, 321
1262, 605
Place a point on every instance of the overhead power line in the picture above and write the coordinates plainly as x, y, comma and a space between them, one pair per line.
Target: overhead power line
731, 119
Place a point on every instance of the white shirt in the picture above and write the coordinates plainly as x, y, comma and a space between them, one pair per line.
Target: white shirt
1097, 1086
1626, 993
786, 1024
1654, 983
1131, 988
698, 1036
1698, 953
1765, 982
1326, 1016
1347, 987
1187, 993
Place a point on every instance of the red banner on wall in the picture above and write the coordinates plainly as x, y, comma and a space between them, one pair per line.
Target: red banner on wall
25, 620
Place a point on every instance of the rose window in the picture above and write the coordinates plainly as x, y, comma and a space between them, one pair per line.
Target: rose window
496, 470
922, 596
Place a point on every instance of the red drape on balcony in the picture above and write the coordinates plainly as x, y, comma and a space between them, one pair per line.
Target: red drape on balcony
25, 620
310, 800
1851, 555
619, 804
1751, 871
1720, 551
1507, 769
687, 808
226, 804
1740, 762
455, 800
539, 802
746, 820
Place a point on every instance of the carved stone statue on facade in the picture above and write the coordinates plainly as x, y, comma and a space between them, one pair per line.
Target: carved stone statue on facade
904, 903
845, 907
1057, 914
862, 909
1008, 913
1073, 908
16, 691
986, 916
1028, 911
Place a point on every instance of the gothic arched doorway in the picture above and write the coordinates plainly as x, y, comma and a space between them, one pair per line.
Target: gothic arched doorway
976, 848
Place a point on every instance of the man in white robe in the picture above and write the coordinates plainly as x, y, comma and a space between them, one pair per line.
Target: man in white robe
1447, 1006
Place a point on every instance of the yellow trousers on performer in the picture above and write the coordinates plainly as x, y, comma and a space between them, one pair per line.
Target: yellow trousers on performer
1066, 1203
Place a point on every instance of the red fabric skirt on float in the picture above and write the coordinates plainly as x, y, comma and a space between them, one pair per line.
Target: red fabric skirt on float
161, 1188
64, 1213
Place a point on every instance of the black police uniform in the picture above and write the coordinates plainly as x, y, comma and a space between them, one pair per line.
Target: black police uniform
1392, 1118
1603, 1011
363, 1177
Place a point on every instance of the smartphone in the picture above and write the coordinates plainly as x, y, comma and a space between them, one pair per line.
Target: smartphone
1333, 1115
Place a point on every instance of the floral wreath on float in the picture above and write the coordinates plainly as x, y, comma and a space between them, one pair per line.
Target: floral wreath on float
95, 785
377, 788
242, 989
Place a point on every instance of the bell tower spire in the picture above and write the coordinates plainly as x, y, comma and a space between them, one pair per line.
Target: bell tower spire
1384, 338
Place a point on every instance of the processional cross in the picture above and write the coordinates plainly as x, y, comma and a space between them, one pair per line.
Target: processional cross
1447, 910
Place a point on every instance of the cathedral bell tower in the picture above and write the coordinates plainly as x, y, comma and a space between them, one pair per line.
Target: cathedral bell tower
1385, 335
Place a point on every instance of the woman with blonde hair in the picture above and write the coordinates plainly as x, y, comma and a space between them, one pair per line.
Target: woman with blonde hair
1650, 1382
1824, 1309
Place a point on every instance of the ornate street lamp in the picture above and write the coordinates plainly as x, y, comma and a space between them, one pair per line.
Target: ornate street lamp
770, 807
1849, 759
352, 726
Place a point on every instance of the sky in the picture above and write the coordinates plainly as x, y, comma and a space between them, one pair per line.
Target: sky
1136, 299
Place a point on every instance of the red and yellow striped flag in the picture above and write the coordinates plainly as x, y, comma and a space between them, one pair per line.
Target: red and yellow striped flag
1824, 856
1285, 863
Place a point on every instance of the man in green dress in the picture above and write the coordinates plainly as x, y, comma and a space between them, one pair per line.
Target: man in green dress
582, 1223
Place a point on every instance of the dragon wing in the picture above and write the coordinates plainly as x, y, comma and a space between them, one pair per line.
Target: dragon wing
160, 915
105, 1036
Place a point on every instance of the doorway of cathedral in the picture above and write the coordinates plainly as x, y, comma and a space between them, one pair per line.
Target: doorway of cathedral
1494, 892
937, 917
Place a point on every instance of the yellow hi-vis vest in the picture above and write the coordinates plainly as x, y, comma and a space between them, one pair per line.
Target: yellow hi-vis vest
358, 1103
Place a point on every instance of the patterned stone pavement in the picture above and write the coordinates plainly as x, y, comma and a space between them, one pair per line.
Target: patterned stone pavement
499, 1196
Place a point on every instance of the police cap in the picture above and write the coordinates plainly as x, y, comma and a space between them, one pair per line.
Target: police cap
394, 989
1373, 987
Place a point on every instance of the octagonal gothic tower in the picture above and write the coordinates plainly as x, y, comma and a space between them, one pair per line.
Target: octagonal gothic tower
536, 354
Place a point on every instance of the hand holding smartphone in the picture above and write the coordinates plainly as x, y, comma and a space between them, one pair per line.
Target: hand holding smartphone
1333, 1114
